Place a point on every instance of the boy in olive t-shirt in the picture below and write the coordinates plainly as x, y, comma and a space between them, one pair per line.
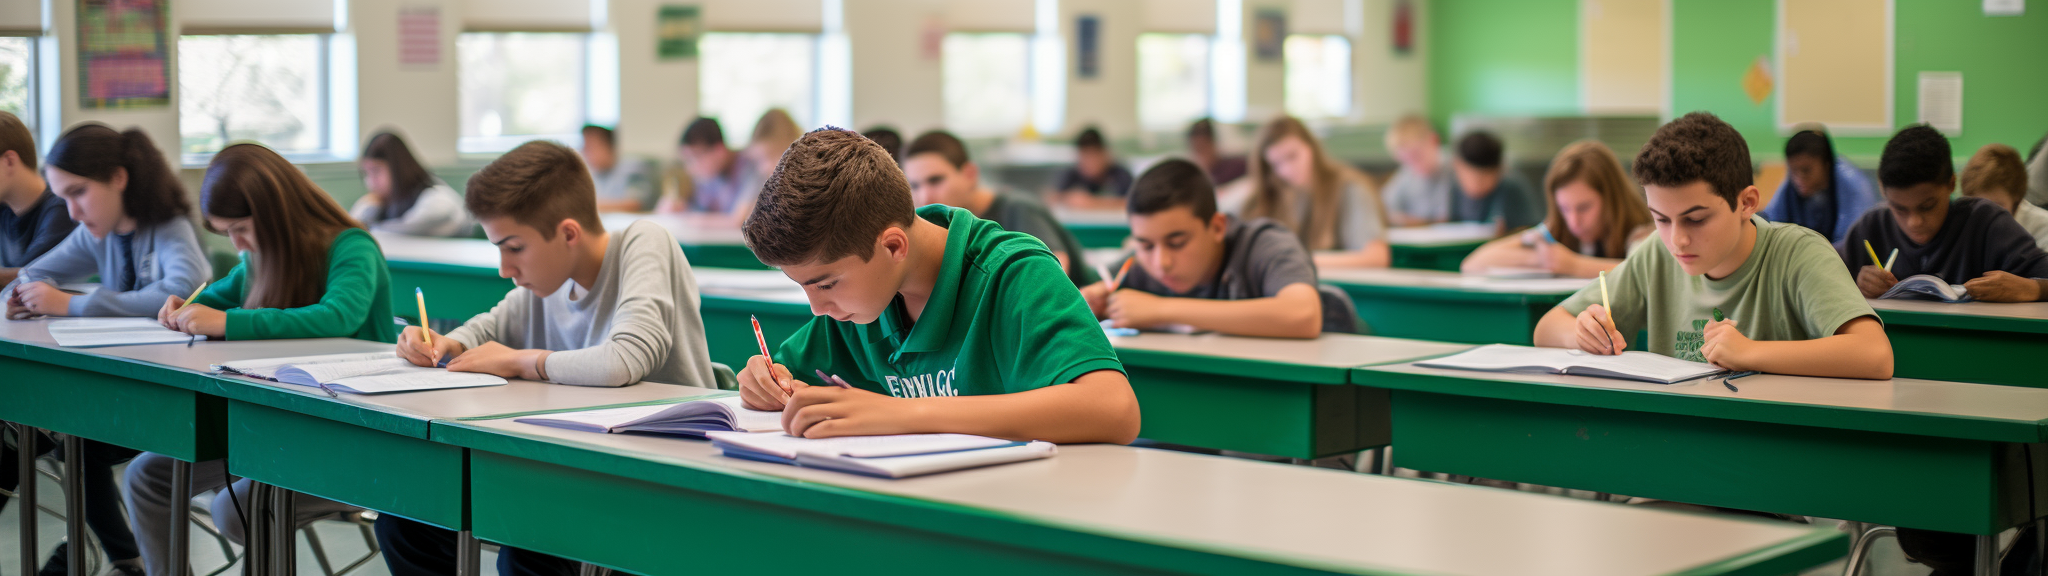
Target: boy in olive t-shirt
941, 322
1788, 309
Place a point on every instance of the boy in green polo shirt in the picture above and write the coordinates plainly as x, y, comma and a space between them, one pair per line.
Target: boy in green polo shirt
940, 321
1788, 307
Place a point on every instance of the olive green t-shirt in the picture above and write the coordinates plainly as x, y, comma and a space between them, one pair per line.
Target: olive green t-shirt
1002, 319
1791, 288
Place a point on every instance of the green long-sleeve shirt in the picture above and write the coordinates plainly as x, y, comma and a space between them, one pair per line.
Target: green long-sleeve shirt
356, 304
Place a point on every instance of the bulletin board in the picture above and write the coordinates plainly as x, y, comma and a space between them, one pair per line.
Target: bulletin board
1835, 65
1624, 56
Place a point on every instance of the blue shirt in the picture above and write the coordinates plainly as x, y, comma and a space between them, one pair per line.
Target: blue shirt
1831, 212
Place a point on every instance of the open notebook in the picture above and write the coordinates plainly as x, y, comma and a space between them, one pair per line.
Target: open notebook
95, 332
1927, 287
363, 373
1637, 366
895, 456
692, 418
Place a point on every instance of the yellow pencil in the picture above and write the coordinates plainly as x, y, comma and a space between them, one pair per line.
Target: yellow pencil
1873, 255
188, 299
426, 335
1605, 303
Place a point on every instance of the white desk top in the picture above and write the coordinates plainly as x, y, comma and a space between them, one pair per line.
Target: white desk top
1329, 350
765, 285
1990, 401
1451, 280
518, 396
1288, 514
1441, 234
2019, 310
1103, 217
695, 229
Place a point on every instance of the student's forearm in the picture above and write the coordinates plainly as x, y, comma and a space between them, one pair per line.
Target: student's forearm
626, 205
1287, 315
1097, 407
1499, 253
1557, 329
1375, 255
1864, 355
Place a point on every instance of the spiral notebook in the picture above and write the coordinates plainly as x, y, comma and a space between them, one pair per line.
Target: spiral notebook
363, 373
1637, 366
690, 418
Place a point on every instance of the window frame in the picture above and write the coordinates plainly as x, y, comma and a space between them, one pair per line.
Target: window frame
739, 131
1208, 71
1349, 85
323, 101
1029, 91
31, 105
494, 145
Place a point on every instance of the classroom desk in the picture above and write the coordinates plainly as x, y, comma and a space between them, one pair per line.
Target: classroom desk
730, 298
1437, 247
1915, 453
1990, 343
102, 397
675, 506
1272, 396
708, 239
1095, 228
1450, 307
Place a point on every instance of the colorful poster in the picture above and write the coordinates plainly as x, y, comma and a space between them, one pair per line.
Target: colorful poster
123, 56
1269, 35
419, 36
676, 29
1087, 46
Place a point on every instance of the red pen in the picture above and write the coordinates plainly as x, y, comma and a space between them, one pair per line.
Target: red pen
762, 340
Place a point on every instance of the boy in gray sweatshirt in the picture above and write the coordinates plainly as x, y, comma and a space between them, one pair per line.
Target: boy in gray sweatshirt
591, 308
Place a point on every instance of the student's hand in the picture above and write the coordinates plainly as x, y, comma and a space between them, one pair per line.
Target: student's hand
1874, 281
1135, 309
767, 386
197, 319
828, 411
2002, 286
41, 299
16, 310
1557, 259
419, 354
1726, 347
1097, 295
1596, 332
500, 360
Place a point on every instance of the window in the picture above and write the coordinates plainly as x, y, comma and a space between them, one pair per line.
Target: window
17, 82
1318, 75
987, 79
520, 86
742, 75
1173, 80
266, 88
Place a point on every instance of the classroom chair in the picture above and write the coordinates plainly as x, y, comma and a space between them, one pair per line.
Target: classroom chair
724, 376
48, 467
363, 520
1339, 314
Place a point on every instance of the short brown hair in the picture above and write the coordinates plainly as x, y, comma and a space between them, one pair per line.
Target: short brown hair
538, 184
1694, 148
940, 142
1995, 169
830, 195
15, 137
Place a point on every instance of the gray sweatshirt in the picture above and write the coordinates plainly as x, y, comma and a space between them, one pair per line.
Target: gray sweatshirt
640, 322
438, 212
138, 271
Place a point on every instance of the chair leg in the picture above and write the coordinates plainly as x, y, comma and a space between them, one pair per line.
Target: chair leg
25, 441
319, 550
1987, 551
181, 514
1859, 551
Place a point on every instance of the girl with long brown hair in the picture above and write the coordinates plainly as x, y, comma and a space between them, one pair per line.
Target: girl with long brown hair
307, 271
1596, 214
401, 196
1332, 207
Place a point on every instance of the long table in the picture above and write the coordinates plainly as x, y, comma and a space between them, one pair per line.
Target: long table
455, 458
1947, 456
675, 507
1439, 247
1450, 307
1991, 343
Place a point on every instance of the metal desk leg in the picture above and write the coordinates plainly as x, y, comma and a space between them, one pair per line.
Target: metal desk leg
283, 527
468, 554
74, 503
181, 516
256, 531
1987, 554
25, 439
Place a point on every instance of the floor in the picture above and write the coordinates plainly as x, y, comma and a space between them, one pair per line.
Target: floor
345, 543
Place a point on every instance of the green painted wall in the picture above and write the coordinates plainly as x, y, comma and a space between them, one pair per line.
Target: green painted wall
1503, 57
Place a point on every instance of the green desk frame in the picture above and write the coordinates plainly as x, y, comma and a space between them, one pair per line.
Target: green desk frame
1446, 257
1100, 235
1960, 348
1900, 469
1447, 315
1272, 408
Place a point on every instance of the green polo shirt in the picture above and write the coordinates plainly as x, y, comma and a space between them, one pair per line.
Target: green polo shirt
1003, 319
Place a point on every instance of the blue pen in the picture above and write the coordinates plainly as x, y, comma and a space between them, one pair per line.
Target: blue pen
1726, 381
